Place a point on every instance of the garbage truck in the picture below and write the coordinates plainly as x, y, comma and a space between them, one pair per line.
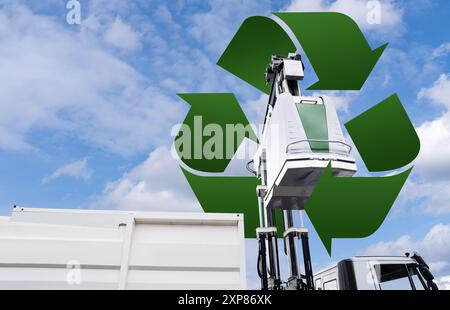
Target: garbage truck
117, 250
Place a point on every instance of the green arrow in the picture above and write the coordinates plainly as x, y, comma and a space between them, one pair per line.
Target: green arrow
230, 195
212, 131
384, 136
351, 207
336, 48
250, 51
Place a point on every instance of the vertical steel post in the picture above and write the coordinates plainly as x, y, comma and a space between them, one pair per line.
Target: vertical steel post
272, 246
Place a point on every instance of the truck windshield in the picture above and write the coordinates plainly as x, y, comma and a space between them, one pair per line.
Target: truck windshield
398, 277
419, 283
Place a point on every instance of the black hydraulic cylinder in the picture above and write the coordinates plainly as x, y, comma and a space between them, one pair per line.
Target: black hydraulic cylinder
307, 261
262, 263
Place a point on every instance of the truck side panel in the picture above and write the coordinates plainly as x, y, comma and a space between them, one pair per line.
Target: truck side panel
62, 249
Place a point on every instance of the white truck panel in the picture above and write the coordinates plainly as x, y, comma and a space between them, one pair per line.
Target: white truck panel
74, 249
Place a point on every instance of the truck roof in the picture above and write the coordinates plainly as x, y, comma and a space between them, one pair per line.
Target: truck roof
382, 258
370, 258
111, 218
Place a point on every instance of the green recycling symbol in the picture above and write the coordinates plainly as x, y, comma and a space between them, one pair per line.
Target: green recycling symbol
342, 60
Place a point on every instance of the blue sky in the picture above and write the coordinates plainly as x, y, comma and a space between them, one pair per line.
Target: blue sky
86, 111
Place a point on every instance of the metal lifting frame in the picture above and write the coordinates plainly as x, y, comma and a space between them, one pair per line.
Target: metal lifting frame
268, 258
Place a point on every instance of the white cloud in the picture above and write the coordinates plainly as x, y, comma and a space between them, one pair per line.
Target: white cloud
184, 56
217, 26
157, 184
57, 79
434, 247
391, 17
78, 170
442, 50
174, 59
439, 92
429, 191
444, 283
427, 195
122, 36
398, 63
433, 161
397, 247
12, 140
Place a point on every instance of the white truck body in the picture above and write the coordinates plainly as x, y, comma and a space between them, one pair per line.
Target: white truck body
374, 273
79, 249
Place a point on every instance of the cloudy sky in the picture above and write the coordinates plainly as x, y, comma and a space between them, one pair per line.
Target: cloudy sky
86, 111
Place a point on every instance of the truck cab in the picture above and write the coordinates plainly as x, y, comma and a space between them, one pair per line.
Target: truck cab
377, 273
